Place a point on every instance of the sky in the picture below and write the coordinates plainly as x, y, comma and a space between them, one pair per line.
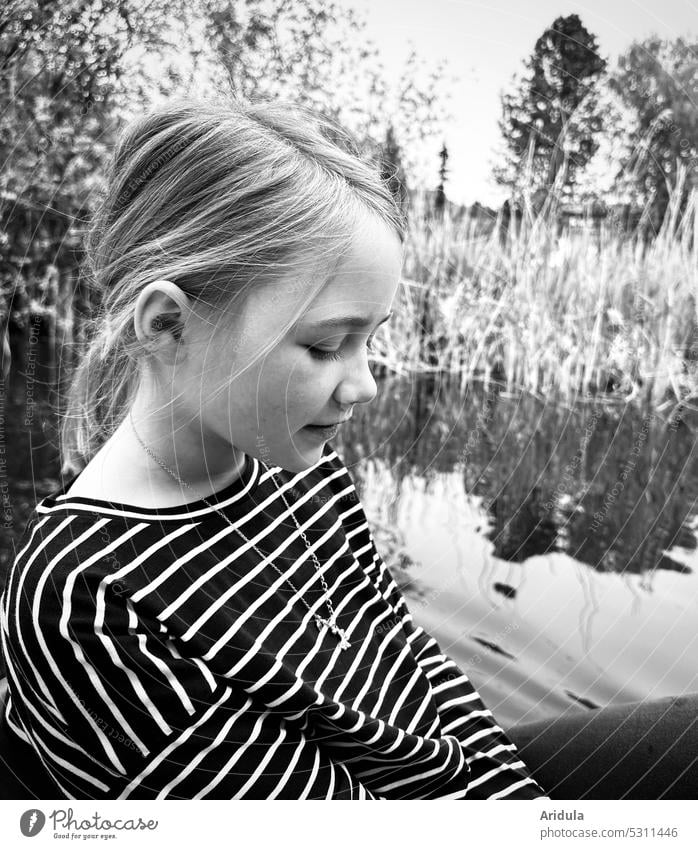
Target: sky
485, 43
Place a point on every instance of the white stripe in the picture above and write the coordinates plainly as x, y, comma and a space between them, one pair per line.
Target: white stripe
319, 700
459, 794
16, 728
447, 685
393, 765
169, 675
333, 781
289, 769
414, 722
230, 763
16, 573
376, 664
77, 648
69, 767
436, 724
421, 778
63, 503
390, 675
430, 659
459, 700
184, 736
480, 734
495, 771
206, 673
23, 735
356, 664
462, 720
511, 788
502, 747
303, 628
50, 702
268, 529
259, 771
26, 702
313, 773
108, 748
350, 780
373, 625
401, 698
273, 589
162, 543
420, 743
195, 761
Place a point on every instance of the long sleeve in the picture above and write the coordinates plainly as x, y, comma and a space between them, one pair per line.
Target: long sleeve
496, 769
152, 654
122, 714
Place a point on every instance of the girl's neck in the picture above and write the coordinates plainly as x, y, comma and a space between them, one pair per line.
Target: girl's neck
123, 472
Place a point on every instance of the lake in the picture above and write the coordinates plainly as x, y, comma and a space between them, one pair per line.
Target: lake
550, 548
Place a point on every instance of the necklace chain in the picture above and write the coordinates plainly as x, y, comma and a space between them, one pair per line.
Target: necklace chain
321, 623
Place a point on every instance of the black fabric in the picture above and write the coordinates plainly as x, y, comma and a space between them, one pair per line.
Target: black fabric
641, 750
22, 775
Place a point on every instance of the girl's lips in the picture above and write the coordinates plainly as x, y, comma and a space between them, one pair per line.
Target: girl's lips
323, 431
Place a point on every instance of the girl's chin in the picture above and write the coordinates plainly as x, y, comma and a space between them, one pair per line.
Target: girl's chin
301, 455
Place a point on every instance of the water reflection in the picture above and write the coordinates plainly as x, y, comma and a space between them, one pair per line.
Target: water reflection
610, 485
550, 550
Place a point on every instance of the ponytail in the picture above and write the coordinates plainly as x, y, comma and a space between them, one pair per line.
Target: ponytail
101, 390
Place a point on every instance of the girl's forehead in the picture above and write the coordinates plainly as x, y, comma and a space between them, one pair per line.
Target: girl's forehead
359, 291
354, 291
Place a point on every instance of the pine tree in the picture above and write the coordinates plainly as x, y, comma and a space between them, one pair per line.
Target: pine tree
440, 198
653, 80
551, 117
392, 169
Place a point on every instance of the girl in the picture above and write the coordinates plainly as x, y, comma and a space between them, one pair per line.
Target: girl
200, 611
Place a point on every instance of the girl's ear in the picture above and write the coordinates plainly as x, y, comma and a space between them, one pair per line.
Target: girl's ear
161, 312
162, 308
168, 322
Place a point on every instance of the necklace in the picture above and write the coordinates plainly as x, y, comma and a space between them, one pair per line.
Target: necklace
321, 623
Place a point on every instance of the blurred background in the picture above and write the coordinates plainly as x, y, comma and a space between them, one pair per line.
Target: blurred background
529, 463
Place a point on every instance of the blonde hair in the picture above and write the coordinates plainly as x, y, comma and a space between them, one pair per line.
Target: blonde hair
211, 195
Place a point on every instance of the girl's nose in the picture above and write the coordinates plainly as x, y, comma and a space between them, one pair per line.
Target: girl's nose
358, 385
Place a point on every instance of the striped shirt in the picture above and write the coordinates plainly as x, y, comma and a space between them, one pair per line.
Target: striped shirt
152, 653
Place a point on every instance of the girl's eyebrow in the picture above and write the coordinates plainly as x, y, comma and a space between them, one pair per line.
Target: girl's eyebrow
345, 321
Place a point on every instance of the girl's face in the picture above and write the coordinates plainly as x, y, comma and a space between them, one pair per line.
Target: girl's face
316, 372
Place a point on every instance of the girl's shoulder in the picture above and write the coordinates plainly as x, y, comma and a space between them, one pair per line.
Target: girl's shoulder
64, 522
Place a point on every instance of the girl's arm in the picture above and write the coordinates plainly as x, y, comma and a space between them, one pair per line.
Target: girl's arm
117, 712
496, 769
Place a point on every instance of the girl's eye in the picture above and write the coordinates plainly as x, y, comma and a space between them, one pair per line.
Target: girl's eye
320, 354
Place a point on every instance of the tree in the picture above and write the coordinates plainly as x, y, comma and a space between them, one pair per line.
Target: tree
440, 197
655, 80
392, 170
66, 74
550, 119
318, 52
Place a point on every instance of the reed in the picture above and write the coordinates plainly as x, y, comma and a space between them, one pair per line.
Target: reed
556, 312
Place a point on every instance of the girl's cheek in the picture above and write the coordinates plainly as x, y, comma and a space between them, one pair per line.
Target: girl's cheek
300, 367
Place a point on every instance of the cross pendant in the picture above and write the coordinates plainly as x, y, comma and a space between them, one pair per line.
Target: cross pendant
332, 625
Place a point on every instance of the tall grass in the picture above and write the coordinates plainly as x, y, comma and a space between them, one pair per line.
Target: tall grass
558, 313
